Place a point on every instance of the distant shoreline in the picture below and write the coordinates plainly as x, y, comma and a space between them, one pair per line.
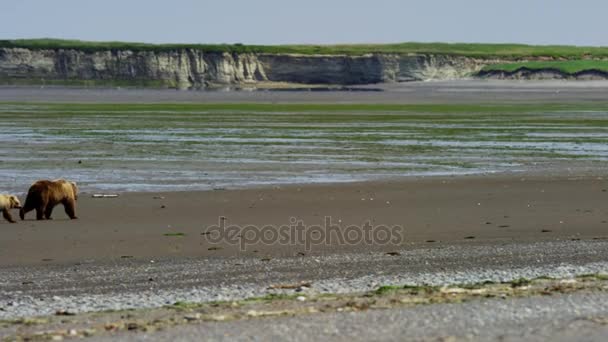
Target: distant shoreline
445, 92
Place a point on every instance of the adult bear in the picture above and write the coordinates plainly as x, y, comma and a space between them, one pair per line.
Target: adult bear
8, 202
44, 195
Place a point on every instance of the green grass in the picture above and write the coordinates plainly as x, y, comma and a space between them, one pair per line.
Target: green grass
569, 67
459, 49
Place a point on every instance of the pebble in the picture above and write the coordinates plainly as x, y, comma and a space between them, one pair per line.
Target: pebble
89, 332
19, 303
193, 317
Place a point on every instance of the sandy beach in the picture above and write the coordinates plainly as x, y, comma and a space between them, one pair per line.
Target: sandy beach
435, 210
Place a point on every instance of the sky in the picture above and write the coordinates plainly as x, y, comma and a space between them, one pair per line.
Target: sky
568, 22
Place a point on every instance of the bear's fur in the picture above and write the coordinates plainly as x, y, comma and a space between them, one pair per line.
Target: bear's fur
8, 202
44, 195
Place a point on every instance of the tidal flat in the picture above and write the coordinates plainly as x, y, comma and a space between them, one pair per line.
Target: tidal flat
172, 147
532, 205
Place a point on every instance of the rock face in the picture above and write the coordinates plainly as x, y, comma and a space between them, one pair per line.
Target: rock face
180, 69
544, 74
187, 68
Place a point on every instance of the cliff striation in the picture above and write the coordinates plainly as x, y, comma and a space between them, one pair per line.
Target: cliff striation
544, 74
192, 68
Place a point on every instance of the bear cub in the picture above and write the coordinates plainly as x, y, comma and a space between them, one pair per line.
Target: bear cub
8, 202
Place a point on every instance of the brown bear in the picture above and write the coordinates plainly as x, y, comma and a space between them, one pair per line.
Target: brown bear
44, 195
8, 202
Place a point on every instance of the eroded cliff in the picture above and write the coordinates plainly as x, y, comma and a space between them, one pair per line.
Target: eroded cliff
544, 74
191, 68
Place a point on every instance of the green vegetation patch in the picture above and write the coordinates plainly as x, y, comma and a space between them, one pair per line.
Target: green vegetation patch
568, 67
594, 276
521, 282
459, 49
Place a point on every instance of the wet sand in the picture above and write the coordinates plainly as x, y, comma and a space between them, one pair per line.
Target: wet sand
434, 211
457, 91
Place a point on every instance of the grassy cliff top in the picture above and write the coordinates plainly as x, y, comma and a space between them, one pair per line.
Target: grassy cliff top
460, 49
570, 67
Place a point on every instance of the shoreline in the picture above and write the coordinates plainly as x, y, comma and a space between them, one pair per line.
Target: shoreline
553, 172
418, 92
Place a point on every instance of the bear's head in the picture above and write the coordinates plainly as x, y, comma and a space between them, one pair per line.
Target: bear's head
14, 202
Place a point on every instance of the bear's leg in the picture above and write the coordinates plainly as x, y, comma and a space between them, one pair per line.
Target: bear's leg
25, 209
7, 215
70, 209
41, 210
40, 213
48, 211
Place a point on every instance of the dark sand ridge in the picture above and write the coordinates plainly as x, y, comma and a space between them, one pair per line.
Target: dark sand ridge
463, 210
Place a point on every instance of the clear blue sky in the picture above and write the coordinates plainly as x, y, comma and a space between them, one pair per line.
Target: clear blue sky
576, 22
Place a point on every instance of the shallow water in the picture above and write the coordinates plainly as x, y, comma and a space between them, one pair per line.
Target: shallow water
159, 149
